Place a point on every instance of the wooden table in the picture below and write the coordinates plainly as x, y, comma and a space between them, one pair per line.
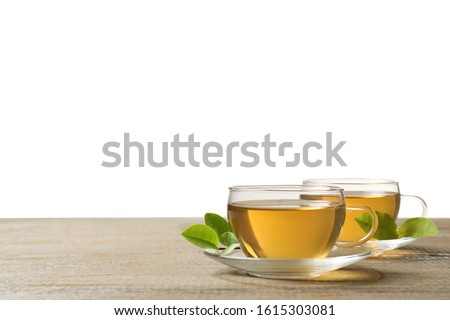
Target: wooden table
148, 259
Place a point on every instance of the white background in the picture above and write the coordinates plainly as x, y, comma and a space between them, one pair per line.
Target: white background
76, 74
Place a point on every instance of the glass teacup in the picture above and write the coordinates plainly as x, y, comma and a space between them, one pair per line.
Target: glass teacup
290, 221
379, 194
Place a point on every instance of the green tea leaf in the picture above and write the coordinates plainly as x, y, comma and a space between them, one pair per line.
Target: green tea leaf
215, 230
387, 228
219, 224
364, 221
228, 249
417, 227
202, 236
228, 239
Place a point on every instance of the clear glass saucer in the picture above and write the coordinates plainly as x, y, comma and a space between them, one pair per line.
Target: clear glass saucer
379, 246
291, 268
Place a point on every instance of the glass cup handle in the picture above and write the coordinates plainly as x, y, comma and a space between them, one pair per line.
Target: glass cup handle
368, 236
421, 201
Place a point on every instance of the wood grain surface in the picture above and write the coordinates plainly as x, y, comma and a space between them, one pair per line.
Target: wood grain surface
134, 258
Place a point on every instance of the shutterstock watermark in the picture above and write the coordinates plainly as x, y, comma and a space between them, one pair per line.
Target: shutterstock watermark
189, 152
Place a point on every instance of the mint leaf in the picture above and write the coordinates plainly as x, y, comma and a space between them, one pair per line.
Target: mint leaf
219, 224
202, 236
387, 228
417, 227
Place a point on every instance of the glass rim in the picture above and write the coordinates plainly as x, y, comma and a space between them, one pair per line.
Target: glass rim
287, 188
349, 181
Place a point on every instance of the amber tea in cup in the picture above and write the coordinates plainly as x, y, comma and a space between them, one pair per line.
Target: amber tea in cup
379, 194
283, 222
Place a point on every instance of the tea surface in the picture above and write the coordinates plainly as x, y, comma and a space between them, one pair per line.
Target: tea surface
286, 228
